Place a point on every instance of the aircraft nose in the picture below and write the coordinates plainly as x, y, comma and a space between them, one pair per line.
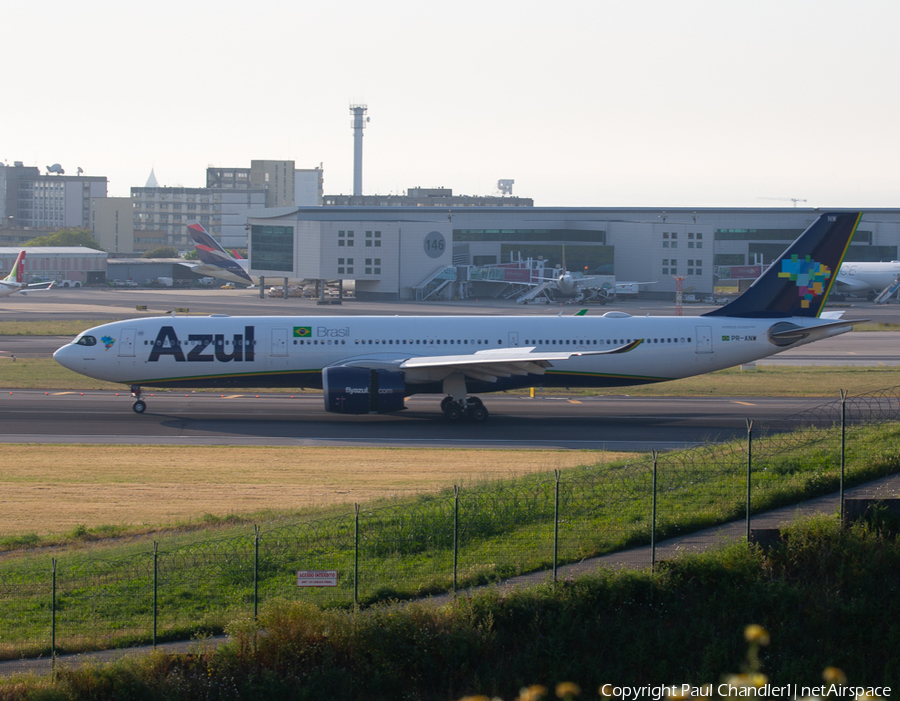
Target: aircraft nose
64, 356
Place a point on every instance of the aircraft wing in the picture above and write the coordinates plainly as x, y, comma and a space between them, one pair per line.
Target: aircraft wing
486, 365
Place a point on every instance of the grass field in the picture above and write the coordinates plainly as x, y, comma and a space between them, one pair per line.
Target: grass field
54, 490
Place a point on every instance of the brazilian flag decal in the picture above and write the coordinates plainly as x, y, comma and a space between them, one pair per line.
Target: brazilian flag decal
302, 331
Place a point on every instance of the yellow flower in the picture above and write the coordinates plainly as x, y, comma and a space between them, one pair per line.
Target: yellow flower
756, 634
754, 679
535, 692
834, 675
567, 690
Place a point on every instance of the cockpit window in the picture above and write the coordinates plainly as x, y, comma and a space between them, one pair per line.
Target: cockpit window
87, 341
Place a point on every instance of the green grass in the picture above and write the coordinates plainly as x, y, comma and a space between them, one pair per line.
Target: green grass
49, 327
406, 547
826, 597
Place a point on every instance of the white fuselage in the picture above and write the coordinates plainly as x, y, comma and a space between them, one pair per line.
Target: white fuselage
8, 288
292, 351
865, 277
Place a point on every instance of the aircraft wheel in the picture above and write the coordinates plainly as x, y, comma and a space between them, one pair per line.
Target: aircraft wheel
478, 414
454, 412
445, 403
139, 407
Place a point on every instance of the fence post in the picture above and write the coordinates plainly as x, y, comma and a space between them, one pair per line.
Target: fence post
255, 571
455, 533
749, 469
655, 454
53, 617
155, 585
843, 446
556, 526
356, 556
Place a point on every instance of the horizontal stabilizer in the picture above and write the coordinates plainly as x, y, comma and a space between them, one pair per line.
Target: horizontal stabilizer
786, 333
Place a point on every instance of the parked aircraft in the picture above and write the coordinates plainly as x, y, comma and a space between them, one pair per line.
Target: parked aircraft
13, 283
369, 364
867, 278
215, 261
581, 287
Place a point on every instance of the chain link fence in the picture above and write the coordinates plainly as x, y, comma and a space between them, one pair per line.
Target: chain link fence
439, 543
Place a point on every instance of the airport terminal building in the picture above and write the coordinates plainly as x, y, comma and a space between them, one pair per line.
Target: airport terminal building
410, 253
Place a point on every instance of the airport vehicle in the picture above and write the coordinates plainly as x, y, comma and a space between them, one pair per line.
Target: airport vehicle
868, 279
215, 261
369, 364
13, 282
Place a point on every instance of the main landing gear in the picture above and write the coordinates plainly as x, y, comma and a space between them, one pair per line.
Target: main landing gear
469, 408
139, 406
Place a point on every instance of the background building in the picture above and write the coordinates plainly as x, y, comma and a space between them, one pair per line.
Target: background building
285, 185
165, 212
426, 197
112, 225
83, 265
398, 252
52, 201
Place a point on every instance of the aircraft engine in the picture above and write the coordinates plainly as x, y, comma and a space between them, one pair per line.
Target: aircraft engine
363, 391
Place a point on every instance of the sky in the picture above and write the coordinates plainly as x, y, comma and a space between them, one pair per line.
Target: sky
584, 103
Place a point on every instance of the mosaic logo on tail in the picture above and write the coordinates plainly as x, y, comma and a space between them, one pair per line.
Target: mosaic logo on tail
810, 276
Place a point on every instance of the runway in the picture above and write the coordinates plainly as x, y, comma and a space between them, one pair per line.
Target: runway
551, 422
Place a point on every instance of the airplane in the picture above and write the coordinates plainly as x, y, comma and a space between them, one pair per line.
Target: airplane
581, 287
12, 283
369, 364
215, 261
867, 278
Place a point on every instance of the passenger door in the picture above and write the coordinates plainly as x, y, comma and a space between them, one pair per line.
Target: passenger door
704, 339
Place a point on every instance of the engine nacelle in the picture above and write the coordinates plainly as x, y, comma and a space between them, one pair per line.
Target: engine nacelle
363, 391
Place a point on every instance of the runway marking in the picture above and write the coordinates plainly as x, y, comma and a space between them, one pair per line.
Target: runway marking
573, 401
58, 394
744, 403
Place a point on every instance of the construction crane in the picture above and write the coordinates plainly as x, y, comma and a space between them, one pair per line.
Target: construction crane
795, 200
